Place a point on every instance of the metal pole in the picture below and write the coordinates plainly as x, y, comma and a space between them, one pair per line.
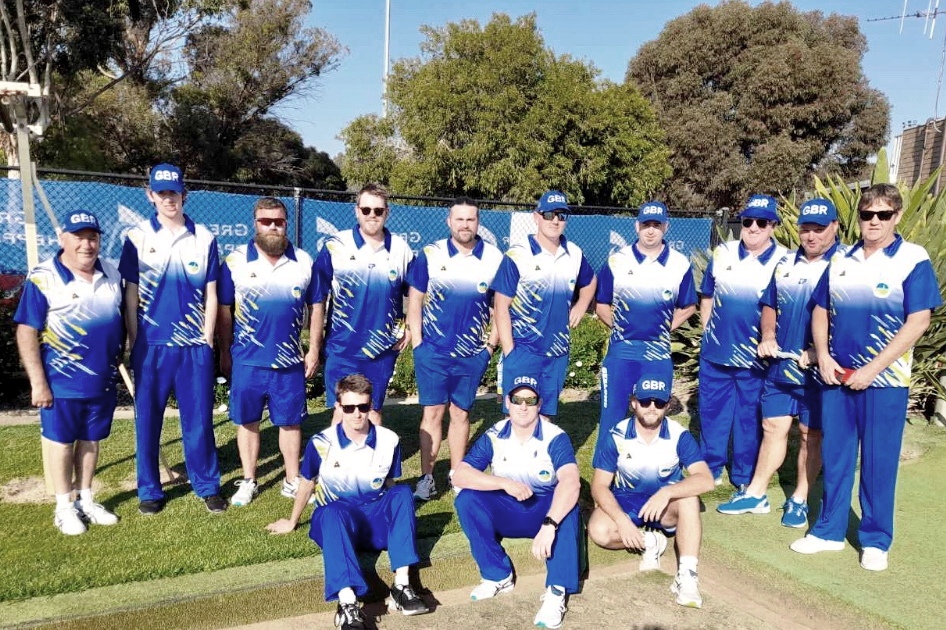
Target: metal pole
26, 182
387, 58
297, 198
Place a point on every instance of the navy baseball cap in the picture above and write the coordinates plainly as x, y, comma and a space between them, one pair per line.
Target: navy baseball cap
819, 211
525, 382
552, 200
166, 177
653, 386
761, 207
79, 220
653, 211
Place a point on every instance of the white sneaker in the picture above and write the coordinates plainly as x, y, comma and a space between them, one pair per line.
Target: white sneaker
289, 489
874, 559
96, 514
552, 612
426, 488
68, 522
489, 588
686, 586
244, 495
812, 544
656, 545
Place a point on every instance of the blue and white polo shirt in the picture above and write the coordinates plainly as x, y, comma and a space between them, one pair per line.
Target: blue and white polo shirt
868, 300
641, 469
534, 463
644, 293
736, 280
348, 472
270, 304
172, 273
368, 287
789, 293
80, 323
542, 286
458, 298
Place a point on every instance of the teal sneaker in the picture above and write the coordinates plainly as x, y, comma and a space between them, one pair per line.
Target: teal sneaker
796, 513
742, 503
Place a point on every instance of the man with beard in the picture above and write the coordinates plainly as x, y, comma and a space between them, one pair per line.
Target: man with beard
638, 482
266, 287
170, 266
448, 312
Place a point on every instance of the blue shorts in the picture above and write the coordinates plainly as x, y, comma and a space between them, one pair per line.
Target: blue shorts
632, 504
378, 370
251, 387
441, 378
71, 419
788, 399
548, 371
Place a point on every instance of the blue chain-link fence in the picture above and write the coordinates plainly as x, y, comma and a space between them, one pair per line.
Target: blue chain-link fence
226, 209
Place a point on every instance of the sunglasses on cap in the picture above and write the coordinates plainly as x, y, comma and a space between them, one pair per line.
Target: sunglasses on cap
266, 221
363, 408
762, 223
554, 214
366, 210
647, 402
883, 215
530, 401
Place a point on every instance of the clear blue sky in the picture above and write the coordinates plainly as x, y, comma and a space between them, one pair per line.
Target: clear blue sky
605, 32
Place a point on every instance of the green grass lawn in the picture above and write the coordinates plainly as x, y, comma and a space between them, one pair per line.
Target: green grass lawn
185, 540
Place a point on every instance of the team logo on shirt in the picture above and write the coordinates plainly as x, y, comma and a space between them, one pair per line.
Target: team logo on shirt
571, 283
882, 290
392, 275
296, 292
376, 483
545, 475
192, 267
668, 294
482, 287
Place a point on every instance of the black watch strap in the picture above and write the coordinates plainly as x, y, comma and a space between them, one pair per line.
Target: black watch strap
548, 520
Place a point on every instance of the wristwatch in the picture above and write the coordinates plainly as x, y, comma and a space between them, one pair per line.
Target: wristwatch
548, 520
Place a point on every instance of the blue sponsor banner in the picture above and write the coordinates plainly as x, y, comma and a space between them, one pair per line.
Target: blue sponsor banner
229, 216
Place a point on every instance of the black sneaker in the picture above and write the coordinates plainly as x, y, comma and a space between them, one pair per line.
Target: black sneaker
405, 599
151, 507
216, 503
349, 617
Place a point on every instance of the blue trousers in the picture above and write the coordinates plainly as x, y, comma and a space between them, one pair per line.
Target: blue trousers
189, 371
341, 528
729, 409
618, 378
874, 417
488, 517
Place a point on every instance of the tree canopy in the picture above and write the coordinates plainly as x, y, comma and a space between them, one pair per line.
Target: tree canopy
490, 111
757, 99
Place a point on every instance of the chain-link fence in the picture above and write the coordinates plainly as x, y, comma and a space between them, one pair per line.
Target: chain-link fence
226, 209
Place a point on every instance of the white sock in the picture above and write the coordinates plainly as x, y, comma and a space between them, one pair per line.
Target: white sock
688, 562
85, 497
401, 577
347, 596
650, 540
63, 500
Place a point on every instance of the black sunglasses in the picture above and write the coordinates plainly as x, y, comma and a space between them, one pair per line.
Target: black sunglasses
883, 215
548, 216
762, 223
267, 222
363, 408
366, 210
647, 402
530, 401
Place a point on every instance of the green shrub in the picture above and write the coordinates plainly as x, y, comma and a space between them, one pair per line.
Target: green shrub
589, 344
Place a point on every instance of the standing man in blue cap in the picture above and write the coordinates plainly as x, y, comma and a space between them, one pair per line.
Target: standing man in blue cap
535, 302
644, 291
170, 266
731, 373
789, 389
69, 334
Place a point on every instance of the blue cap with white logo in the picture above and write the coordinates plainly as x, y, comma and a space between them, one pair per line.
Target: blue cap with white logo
761, 207
166, 177
525, 382
819, 211
653, 211
79, 220
552, 200
653, 386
